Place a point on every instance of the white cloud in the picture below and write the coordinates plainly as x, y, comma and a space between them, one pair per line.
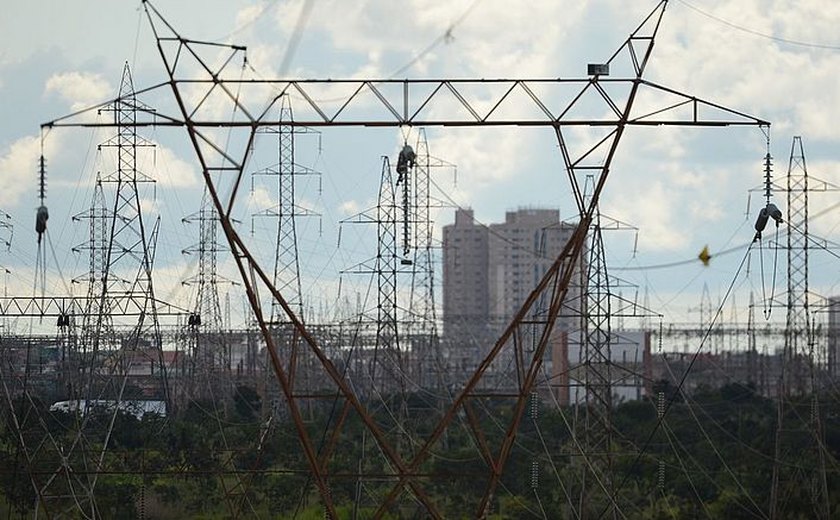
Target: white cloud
150, 208
80, 89
171, 171
168, 280
795, 86
349, 207
261, 199
19, 166
249, 14
655, 219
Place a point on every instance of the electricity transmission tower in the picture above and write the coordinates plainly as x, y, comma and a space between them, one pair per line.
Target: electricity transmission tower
800, 446
421, 330
111, 365
130, 245
286, 255
388, 358
209, 352
287, 210
409, 483
97, 323
384, 367
597, 360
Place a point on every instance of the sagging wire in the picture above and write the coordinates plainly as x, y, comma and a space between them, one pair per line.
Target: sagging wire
671, 399
769, 211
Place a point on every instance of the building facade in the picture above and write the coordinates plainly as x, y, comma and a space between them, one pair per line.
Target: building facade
490, 270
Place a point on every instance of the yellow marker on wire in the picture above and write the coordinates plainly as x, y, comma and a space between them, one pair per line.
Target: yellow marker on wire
705, 256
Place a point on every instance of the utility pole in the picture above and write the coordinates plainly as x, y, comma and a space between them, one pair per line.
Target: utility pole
130, 251
286, 255
800, 445
422, 333
209, 352
97, 324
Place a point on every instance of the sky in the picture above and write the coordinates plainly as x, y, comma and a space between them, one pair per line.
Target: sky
674, 189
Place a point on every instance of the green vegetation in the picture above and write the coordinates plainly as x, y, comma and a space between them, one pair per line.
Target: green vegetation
208, 461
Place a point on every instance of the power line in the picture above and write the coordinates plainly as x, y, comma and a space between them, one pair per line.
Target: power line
760, 34
681, 384
678, 262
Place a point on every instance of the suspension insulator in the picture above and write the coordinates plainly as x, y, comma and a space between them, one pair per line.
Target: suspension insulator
761, 221
41, 218
774, 213
405, 161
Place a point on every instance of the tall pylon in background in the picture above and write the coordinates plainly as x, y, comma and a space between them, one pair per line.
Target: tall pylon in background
118, 359
596, 358
421, 329
130, 249
207, 375
97, 324
286, 259
209, 352
798, 336
383, 362
383, 372
287, 210
800, 447
388, 364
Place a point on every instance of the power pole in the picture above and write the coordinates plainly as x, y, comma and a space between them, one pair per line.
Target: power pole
97, 324
421, 332
287, 210
286, 258
387, 352
108, 367
383, 362
209, 352
597, 360
800, 447
130, 248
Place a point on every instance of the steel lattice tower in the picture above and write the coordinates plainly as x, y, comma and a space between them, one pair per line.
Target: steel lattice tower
387, 351
800, 447
97, 323
549, 103
798, 342
286, 212
209, 354
597, 359
422, 326
130, 251
120, 271
384, 365
286, 260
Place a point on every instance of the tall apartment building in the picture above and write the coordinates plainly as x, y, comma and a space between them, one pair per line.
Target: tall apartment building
519, 252
489, 272
465, 266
